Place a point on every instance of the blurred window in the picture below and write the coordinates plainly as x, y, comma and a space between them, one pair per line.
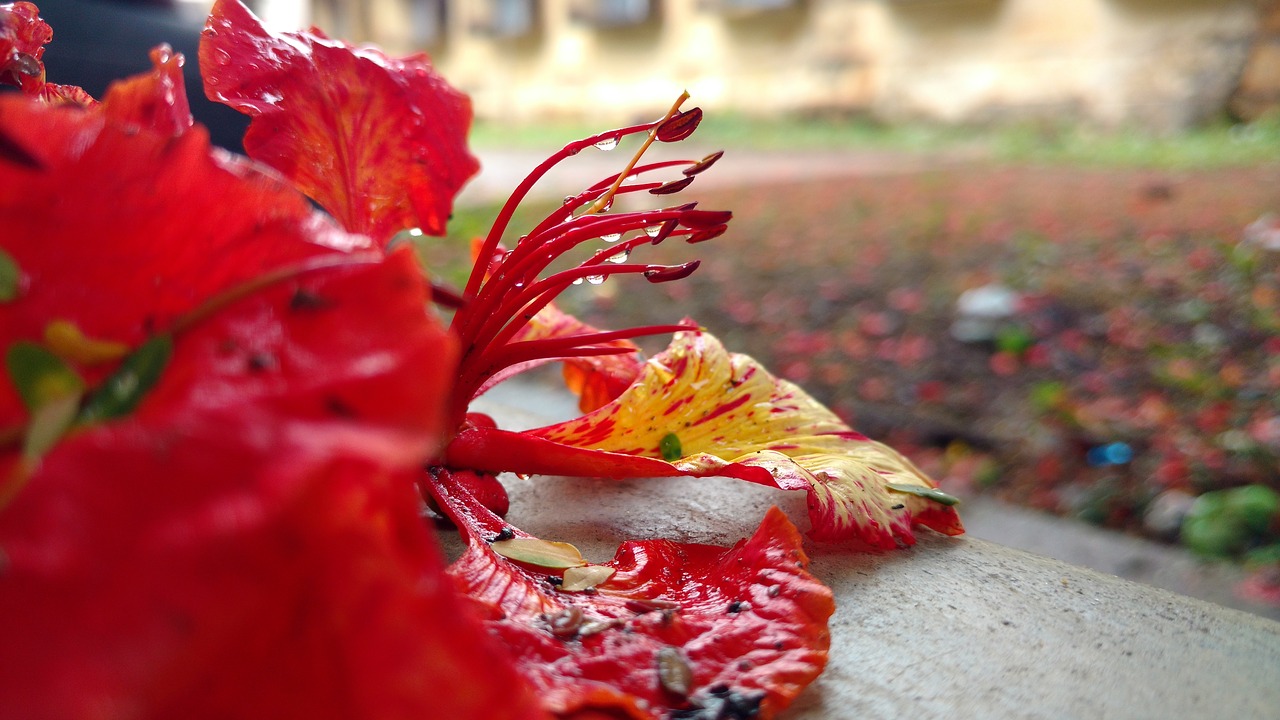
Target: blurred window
613, 13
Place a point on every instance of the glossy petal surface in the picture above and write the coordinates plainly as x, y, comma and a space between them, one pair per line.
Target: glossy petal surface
677, 628
235, 564
379, 142
181, 225
23, 36
724, 414
156, 100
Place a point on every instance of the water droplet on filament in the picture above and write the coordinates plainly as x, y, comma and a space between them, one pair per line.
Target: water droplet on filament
595, 279
608, 143
611, 237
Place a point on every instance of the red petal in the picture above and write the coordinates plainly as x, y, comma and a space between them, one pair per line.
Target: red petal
232, 564
718, 413
379, 142
178, 226
748, 623
156, 100
23, 36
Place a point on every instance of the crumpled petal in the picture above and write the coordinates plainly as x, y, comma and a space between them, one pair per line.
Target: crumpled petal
745, 626
711, 412
23, 36
379, 142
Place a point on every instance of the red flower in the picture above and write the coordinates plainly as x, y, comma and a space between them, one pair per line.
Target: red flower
219, 401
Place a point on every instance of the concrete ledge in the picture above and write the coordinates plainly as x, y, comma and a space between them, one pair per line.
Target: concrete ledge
954, 627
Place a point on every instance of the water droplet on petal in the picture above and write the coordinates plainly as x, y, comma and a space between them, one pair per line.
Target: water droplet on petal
608, 143
568, 199
611, 237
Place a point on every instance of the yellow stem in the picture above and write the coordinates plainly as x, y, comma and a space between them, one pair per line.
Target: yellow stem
603, 201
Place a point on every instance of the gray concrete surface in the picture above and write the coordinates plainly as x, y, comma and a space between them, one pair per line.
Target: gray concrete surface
954, 627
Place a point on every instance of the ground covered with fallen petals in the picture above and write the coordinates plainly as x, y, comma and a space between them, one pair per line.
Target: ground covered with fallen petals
1142, 353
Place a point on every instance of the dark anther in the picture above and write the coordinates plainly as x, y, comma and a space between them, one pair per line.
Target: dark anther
505, 534
704, 163
679, 126
701, 219
667, 273
705, 235
672, 187
736, 606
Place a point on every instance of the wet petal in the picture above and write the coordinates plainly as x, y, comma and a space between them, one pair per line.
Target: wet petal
675, 627
728, 416
181, 225
156, 100
23, 36
379, 142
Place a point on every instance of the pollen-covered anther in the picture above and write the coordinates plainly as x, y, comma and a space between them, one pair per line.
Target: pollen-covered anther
667, 273
679, 126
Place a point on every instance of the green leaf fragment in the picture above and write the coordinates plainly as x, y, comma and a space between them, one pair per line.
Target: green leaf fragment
126, 387
40, 376
927, 493
49, 423
670, 448
10, 274
542, 553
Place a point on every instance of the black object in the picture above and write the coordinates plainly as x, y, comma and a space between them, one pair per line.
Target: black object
98, 41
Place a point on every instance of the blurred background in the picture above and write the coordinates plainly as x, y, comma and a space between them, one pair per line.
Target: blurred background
1035, 244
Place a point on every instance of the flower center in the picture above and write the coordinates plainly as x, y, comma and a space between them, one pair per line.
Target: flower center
507, 288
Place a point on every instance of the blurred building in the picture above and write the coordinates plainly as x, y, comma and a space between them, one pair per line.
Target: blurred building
1163, 64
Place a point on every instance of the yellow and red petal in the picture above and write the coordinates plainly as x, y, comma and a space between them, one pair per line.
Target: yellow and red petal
711, 412
676, 628
379, 142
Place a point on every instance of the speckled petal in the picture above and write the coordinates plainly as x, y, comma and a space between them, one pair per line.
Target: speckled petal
727, 415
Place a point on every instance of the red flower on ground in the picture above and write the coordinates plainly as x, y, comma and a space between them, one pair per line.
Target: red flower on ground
219, 401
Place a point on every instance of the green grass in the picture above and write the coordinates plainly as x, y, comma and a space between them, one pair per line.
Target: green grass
1217, 145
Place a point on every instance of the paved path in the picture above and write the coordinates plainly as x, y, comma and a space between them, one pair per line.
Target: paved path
502, 170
